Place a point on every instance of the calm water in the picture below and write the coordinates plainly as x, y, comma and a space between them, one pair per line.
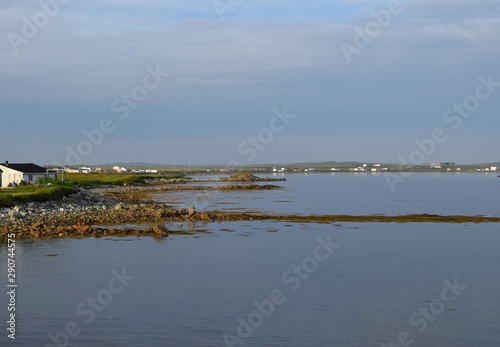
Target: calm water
377, 282
357, 194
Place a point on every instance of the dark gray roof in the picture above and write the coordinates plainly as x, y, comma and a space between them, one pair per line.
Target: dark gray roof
26, 168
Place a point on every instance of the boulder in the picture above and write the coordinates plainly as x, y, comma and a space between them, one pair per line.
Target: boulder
82, 228
243, 177
160, 230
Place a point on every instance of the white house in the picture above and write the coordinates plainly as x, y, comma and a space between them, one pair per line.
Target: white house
119, 169
15, 173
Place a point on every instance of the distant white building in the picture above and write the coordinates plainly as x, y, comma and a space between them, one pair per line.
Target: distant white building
119, 169
154, 171
15, 173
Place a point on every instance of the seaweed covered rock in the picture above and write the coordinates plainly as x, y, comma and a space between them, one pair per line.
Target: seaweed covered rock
243, 177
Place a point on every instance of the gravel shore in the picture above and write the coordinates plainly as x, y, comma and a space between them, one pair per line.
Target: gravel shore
97, 211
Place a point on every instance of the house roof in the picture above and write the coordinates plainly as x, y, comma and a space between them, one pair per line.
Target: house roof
26, 168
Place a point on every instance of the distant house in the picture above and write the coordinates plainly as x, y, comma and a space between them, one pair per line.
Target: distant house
72, 170
15, 173
119, 169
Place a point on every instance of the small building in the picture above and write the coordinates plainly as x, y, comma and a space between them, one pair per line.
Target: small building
119, 169
16, 173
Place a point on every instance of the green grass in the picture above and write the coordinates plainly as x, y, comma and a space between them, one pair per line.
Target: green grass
58, 188
25, 194
100, 179
96, 179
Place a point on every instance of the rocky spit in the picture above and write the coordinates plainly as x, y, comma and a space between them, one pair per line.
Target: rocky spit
78, 215
143, 192
98, 211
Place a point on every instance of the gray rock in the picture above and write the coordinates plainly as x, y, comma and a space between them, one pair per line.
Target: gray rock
14, 214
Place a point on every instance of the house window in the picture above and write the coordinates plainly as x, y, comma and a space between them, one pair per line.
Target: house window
30, 178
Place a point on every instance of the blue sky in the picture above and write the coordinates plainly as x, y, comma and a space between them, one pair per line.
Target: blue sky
225, 78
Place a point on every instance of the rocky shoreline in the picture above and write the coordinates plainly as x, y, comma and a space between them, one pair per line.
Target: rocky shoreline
107, 207
78, 214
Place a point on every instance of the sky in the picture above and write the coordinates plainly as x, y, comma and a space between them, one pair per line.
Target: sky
249, 82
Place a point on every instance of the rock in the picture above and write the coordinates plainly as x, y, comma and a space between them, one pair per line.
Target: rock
243, 176
82, 228
204, 216
118, 207
160, 230
76, 197
14, 214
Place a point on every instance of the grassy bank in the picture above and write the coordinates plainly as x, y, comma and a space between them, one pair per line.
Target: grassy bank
102, 179
56, 189
97, 179
25, 194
